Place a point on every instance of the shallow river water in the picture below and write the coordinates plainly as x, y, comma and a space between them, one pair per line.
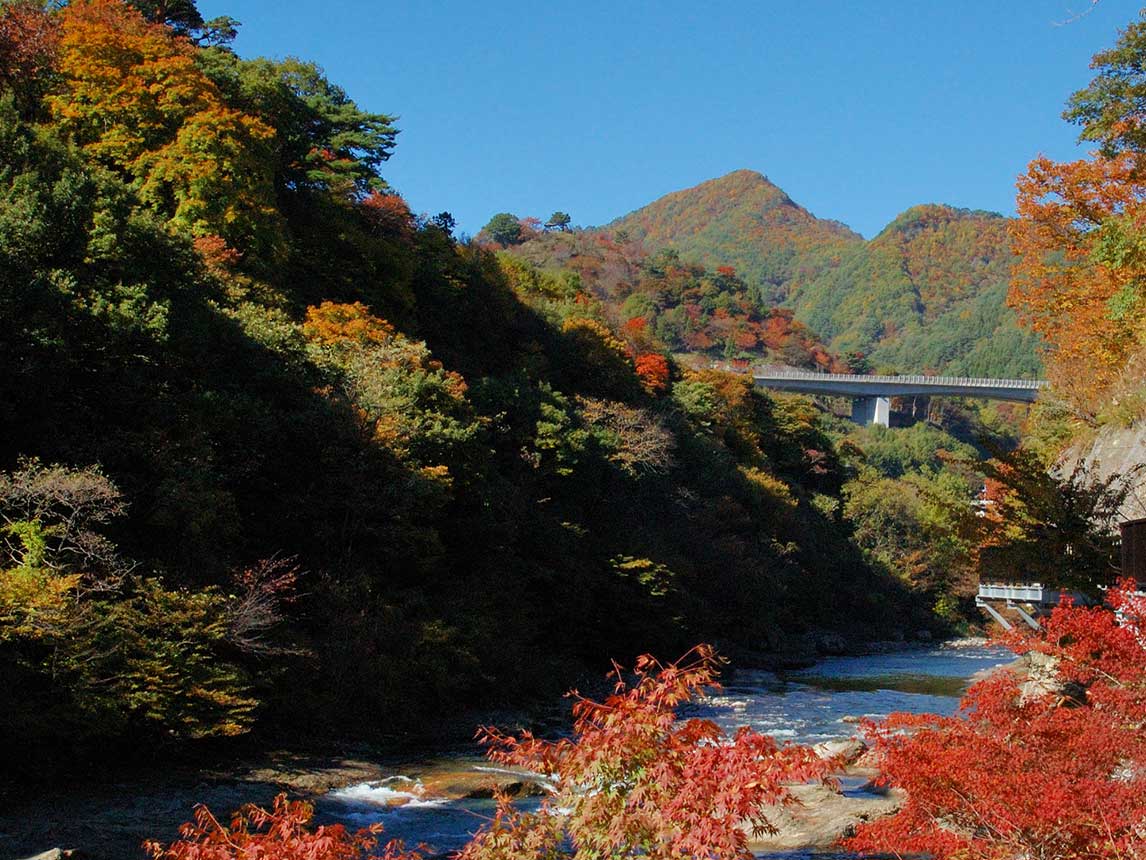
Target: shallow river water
807, 706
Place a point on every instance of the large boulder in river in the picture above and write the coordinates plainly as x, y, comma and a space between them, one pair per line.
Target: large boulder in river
1042, 676
847, 750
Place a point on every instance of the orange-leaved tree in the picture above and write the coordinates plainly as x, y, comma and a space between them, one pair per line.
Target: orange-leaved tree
1050, 770
653, 371
634, 781
133, 96
407, 401
335, 324
1080, 237
1079, 240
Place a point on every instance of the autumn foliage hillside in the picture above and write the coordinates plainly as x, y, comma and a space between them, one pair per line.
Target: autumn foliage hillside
928, 294
276, 451
663, 301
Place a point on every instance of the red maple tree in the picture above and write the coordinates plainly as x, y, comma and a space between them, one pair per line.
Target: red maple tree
1026, 770
279, 833
29, 46
634, 781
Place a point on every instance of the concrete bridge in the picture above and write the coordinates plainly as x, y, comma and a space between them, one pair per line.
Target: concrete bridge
871, 395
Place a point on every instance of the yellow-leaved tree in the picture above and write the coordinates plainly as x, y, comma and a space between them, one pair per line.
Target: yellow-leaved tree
134, 98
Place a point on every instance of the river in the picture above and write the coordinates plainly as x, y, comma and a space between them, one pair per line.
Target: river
806, 706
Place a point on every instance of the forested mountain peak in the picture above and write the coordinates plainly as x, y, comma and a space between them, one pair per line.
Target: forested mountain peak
740, 196
741, 219
947, 253
927, 294
741, 190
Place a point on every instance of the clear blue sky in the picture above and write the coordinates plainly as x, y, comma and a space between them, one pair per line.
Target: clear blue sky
857, 109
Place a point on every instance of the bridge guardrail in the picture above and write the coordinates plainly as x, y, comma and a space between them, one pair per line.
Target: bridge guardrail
1032, 592
912, 379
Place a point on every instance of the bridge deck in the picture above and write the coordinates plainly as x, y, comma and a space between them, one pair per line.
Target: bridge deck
1028, 600
1026, 592
873, 385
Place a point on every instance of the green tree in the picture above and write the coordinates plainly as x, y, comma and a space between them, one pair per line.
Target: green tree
857, 362
324, 141
916, 526
1111, 108
907, 450
182, 16
503, 228
106, 651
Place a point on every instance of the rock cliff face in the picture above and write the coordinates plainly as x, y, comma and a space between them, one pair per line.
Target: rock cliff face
1112, 452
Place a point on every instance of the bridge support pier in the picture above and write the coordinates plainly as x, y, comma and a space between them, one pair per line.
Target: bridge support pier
871, 410
1003, 622
1031, 623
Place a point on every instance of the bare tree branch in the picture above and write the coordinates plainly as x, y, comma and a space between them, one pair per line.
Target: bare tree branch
1076, 16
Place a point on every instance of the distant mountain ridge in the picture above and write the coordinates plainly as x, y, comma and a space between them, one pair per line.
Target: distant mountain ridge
926, 294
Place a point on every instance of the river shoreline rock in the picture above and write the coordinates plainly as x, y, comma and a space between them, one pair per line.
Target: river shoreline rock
831, 644
845, 750
823, 814
802, 651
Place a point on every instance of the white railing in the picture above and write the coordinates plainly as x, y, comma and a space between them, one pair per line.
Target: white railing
1027, 592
